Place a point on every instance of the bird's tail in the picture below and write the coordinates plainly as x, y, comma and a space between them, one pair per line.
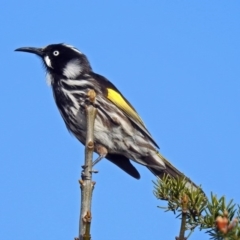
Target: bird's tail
172, 172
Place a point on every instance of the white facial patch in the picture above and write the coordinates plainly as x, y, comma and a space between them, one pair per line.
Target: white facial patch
49, 79
48, 61
72, 69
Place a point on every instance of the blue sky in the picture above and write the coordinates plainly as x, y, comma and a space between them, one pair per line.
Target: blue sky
177, 62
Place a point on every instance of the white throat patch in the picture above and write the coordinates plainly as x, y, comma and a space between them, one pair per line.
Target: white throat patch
72, 69
48, 61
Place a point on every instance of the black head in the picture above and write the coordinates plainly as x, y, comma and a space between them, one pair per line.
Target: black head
61, 59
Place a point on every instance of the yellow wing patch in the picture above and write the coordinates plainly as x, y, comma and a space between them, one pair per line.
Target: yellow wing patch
119, 101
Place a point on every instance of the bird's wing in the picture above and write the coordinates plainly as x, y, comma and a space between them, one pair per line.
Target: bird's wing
115, 96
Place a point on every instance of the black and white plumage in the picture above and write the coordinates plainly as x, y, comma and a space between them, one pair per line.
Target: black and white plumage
119, 133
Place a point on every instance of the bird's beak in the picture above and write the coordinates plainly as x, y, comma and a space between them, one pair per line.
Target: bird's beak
37, 51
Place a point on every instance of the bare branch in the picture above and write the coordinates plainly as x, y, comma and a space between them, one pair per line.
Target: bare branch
86, 182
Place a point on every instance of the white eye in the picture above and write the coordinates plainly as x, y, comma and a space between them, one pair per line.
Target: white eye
56, 53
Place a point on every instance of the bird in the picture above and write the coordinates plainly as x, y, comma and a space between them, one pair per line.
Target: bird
120, 134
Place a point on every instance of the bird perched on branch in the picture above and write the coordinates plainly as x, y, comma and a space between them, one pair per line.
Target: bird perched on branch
119, 133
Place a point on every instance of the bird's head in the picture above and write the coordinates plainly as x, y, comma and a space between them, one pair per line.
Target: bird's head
61, 59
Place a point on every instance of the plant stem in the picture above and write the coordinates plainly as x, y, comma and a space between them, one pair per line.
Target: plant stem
86, 183
183, 227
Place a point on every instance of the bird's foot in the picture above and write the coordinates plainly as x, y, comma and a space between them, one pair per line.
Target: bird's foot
102, 151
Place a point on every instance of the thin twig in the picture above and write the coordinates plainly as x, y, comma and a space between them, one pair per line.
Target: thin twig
183, 227
86, 183
183, 219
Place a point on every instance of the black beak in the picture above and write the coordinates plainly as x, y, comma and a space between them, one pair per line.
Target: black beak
37, 51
